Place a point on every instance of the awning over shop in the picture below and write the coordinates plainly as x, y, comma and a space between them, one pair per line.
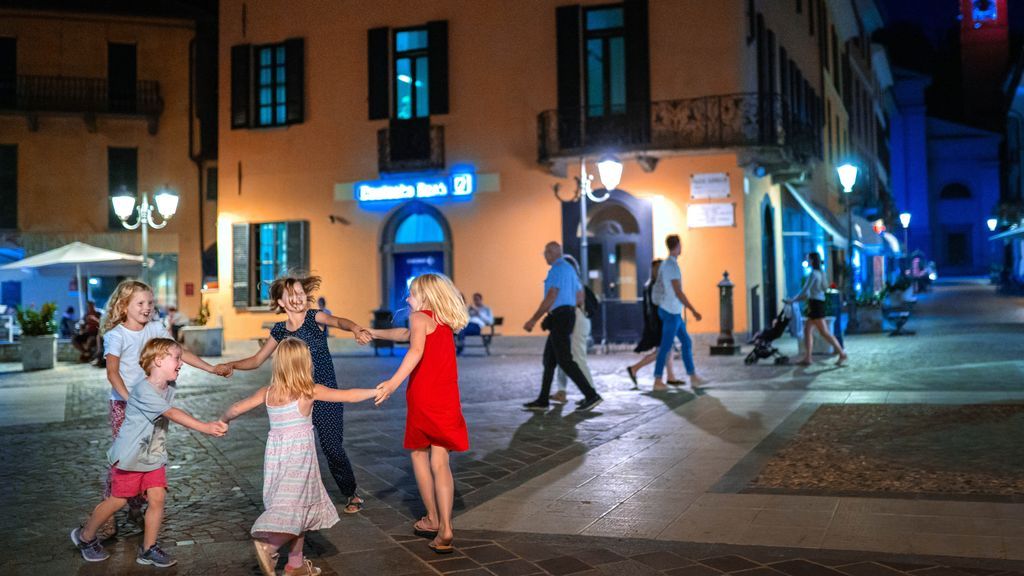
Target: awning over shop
865, 237
838, 239
893, 243
1007, 234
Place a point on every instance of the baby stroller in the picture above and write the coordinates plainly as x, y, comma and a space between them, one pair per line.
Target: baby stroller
762, 341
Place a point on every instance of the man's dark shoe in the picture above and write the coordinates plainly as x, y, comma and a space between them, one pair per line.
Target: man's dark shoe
536, 405
589, 404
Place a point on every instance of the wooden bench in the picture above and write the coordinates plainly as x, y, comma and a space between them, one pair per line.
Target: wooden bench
899, 315
486, 335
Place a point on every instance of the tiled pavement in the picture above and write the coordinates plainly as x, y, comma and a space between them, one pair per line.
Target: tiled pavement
51, 472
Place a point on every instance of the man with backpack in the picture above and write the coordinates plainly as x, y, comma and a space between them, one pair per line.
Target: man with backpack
668, 294
563, 291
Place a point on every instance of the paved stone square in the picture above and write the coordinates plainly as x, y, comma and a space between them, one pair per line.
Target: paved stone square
650, 483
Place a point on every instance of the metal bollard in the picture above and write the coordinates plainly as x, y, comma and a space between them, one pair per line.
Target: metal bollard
726, 345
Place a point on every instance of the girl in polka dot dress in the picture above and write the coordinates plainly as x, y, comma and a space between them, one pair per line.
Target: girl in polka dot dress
294, 296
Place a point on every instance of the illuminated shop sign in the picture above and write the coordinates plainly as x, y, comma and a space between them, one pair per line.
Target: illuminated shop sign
455, 185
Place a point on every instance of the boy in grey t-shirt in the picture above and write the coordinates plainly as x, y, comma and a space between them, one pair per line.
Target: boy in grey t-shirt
139, 454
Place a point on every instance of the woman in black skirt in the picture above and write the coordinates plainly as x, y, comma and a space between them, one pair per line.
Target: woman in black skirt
814, 292
651, 337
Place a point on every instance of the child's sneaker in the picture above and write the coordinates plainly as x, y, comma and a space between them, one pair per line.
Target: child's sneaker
155, 556
92, 551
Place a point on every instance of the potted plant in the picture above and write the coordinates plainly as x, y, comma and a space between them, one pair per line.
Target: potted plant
869, 312
38, 337
200, 339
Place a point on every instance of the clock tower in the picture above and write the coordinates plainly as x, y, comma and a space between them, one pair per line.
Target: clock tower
984, 57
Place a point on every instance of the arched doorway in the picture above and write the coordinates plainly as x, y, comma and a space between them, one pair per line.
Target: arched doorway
416, 239
768, 272
618, 257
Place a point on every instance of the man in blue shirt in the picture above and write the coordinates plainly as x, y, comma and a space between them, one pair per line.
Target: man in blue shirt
562, 291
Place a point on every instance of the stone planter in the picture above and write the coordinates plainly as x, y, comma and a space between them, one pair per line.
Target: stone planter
38, 352
869, 320
202, 340
821, 347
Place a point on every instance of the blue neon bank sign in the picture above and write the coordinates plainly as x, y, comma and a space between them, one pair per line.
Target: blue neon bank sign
455, 185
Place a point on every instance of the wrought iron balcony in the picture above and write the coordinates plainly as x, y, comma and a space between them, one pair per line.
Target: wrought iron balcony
749, 120
410, 146
35, 95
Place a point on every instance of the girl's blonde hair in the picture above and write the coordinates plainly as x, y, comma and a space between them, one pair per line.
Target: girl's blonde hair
293, 369
117, 305
284, 285
437, 293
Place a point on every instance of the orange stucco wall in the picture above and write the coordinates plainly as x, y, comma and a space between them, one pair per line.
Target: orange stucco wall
502, 75
62, 167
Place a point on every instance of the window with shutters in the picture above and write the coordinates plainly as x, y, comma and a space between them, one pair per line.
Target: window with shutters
270, 86
408, 71
412, 76
605, 44
9, 186
267, 84
263, 252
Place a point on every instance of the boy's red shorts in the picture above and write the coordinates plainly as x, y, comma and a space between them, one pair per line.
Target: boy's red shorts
125, 483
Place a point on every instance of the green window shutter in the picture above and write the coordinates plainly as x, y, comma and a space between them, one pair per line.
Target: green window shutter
240, 273
298, 247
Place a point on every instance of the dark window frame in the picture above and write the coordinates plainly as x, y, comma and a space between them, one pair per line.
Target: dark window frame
414, 55
246, 261
605, 35
9, 186
276, 49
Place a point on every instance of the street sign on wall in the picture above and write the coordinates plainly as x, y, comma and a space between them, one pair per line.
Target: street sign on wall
709, 185
717, 215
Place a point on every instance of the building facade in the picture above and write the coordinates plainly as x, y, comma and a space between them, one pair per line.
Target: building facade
370, 146
92, 101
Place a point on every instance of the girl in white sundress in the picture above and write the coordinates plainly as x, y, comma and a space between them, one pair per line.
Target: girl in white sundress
293, 493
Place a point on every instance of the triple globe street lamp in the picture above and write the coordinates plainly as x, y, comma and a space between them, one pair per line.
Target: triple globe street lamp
124, 202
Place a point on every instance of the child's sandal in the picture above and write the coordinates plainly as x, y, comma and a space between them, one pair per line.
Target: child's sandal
354, 505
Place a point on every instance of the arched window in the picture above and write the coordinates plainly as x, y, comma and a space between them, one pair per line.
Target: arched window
955, 191
418, 229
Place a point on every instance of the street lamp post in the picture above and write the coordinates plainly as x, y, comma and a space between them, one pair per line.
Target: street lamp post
124, 204
848, 177
610, 171
905, 222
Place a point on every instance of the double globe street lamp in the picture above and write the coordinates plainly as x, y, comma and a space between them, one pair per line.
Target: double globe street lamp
125, 204
610, 171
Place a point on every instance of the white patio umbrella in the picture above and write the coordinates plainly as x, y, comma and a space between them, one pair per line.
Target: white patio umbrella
75, 256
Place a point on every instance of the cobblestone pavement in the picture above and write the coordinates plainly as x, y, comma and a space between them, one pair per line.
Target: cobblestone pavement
53, 435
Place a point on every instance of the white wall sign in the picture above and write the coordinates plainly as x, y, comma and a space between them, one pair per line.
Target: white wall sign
710, 185
710, 215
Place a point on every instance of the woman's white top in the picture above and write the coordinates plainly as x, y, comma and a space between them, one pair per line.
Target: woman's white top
814, 287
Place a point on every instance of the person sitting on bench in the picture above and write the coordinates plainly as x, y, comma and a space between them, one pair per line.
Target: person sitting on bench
480, 316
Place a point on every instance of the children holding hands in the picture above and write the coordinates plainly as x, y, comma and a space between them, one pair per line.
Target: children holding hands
138, 456
294, 496
434, 424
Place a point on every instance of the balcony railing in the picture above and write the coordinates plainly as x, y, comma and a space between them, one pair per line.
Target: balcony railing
409, 146
711, 122
89, 96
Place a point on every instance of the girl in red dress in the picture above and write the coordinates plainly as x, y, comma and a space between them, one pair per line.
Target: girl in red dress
434, 424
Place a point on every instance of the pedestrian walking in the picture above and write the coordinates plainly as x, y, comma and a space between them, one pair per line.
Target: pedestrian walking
321, 303
434, 425
651, 336
129, 324
294, 498
138, 457
293, 296
668, 294
562, 292
814, 292
580, 334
